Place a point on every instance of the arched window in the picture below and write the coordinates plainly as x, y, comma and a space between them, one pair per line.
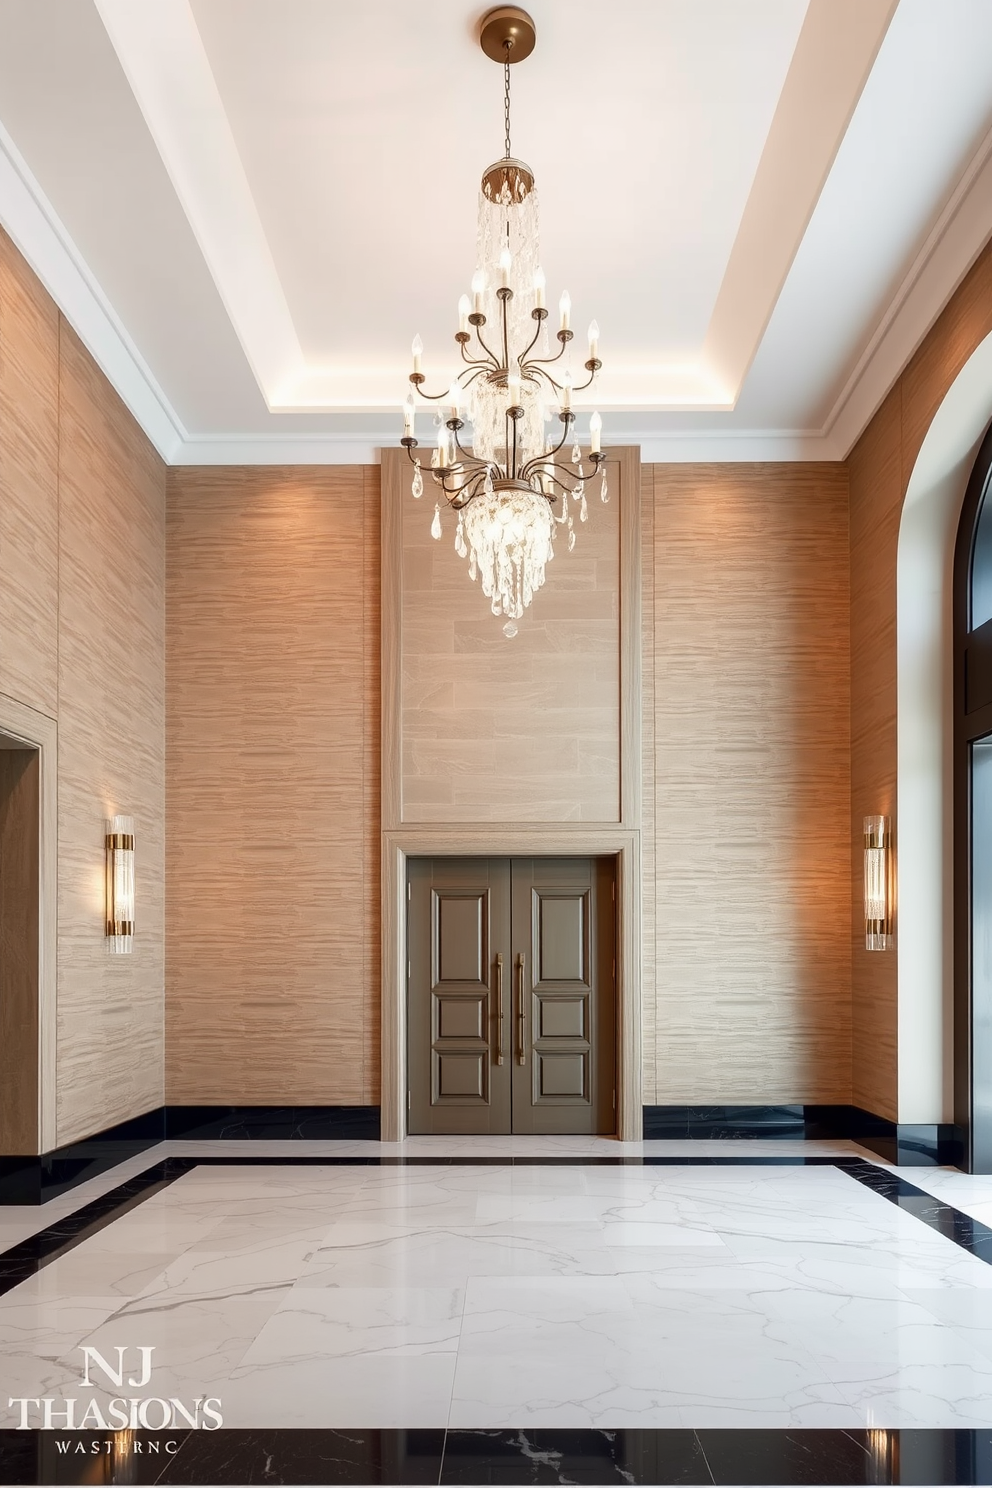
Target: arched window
973, 817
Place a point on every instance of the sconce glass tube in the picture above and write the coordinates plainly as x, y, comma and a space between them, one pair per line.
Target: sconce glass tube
878, 884
120, 884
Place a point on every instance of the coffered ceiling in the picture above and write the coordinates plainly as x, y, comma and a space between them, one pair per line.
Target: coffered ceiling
248, 207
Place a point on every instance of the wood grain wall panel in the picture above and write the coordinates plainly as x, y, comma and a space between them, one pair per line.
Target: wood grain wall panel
649, 908
372, 779
29, 330
522, 730
881, 465
272, 959
752, 785
876, 508
111, 748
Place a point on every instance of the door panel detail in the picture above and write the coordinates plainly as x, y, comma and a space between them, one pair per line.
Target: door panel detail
563, 936
511, 995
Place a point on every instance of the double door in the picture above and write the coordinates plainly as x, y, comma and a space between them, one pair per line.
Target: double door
511, 1002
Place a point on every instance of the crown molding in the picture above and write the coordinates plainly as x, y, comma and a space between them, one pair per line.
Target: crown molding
39, 235
952, 245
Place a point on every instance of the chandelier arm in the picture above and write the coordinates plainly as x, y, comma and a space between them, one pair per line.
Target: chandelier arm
581, 387
525, 354
494, 359
549, 361
567, 420
472, 459
477, 361
573, 475
459, 505
431, 397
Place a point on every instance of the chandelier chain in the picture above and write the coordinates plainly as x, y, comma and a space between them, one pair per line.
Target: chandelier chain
506, 99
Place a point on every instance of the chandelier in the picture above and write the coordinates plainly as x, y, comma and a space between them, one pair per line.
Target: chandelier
511, 477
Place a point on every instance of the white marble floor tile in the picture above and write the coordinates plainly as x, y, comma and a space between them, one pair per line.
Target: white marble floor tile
384, 1392
495, 1296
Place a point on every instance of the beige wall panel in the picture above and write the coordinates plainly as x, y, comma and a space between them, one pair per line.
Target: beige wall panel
272, 786
876, 507
111, 749
496, 730
881, 465
29, 360
752, 784
649, 908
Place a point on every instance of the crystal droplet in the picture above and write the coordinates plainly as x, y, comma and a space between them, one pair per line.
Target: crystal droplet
576, 453
460, 547
571, 538
434, 458
473, 567
577, 492
489, 481
418, 481
510, 629
436, 524
584, 509
604, 490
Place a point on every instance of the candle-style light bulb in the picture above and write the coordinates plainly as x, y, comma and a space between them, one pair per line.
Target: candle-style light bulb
564, 310
595, 433
454, 399
566, 391
418, 350
540, 284
442, 447
505, 264
464, 310
409, 412
594, 340
513, 388
478, 289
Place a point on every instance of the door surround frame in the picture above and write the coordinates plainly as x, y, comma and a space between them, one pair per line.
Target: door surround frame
538, 841
572, 838
37, 731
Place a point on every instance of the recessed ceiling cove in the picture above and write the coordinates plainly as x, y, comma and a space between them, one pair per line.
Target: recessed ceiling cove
267, 197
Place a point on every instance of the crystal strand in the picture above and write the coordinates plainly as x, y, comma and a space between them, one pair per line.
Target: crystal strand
571, 539
436, 524
418, 481
604, 493
435, 456
460, 547
576, 453
584, 509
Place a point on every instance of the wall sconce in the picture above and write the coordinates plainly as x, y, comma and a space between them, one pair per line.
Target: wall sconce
120, 884
878, 884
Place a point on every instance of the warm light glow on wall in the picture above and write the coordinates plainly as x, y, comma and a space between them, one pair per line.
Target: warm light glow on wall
878, 883
120, 884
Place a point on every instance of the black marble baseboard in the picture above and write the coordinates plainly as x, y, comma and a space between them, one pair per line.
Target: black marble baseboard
899, 1142
520, 1456
35, 1180
273, 1123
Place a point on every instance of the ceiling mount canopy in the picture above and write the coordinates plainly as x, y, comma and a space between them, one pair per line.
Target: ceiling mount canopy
507, 34
511, 479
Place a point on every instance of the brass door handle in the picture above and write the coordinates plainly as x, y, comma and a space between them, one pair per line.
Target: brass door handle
499, 1009
521, 1019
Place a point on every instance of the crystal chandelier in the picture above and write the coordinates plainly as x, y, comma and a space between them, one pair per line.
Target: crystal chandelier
510, 479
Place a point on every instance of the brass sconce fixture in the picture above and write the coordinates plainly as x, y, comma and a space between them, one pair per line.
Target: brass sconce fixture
878, 883
120, 884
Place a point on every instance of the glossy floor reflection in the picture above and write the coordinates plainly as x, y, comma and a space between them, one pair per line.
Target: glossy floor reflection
492, 1297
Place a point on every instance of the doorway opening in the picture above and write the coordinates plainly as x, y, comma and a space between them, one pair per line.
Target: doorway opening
20, 898
511, 996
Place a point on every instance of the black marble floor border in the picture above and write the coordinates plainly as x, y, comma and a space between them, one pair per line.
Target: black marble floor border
545, 1456
30, 1255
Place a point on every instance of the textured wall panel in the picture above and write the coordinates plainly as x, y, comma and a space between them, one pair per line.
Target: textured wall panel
881, 465
28, 486
273, 887
752, 785
496, 730
111, 748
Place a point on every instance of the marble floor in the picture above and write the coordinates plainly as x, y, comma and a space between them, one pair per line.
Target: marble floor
515, 1287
